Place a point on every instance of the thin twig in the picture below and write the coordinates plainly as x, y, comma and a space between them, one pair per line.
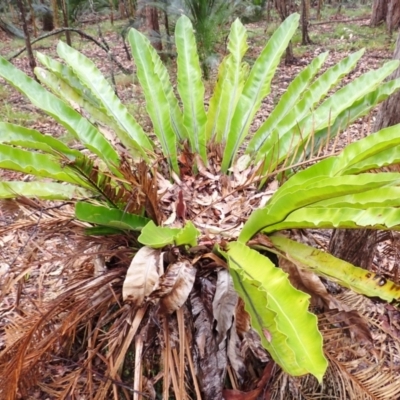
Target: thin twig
84, 35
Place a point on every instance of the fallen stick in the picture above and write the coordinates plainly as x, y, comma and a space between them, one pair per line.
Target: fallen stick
340, 21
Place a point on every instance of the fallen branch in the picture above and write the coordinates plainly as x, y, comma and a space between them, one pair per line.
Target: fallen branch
339, 21
82, 34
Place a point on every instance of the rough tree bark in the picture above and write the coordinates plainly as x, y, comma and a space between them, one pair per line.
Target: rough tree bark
379, 12
283, 8
393, 16
319, 7
305, 15
389, 112
358, 246
56, 17
150, 25
386, 11
65, 19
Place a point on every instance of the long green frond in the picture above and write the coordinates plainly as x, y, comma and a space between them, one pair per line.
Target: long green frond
41, 190
78, 126
134, 137
325, 116
61, 80
257, 86
41, 165
312, 191
157, 104
358, 279
286, 104
318, 89
110, 217
231, 78
190, 86
32, 139
340, 218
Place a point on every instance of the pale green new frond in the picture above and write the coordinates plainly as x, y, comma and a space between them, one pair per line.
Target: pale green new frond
231, 78
257, 86
157, 104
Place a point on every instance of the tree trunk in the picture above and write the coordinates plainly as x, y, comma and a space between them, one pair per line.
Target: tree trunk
110, 2
305, 15
66, 25
33, 19
47, 21
283, 9
355, 246
358, 246
56, 17
379, 12
389, 112
269, 4
319, 7
393, 16
153, 26
150, 25
386, 10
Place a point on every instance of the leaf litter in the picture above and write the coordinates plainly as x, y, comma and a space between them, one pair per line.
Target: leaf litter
37, 267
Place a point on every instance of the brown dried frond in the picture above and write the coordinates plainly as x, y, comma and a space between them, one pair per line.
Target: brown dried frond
143, 190
31, 339
133, 192
27, 213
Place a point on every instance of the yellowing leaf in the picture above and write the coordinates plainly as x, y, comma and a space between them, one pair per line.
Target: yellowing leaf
143, 275
342, 272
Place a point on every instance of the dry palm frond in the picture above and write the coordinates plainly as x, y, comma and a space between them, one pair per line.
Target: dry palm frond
34, 337
133, 191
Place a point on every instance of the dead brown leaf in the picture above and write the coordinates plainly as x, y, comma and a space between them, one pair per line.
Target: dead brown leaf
308, 282
224, 304
143, 275
175, 286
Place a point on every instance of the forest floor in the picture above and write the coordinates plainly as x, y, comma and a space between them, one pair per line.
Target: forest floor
340, 38
327, 34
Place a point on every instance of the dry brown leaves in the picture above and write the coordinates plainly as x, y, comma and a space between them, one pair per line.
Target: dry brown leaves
210, 336
143, 275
